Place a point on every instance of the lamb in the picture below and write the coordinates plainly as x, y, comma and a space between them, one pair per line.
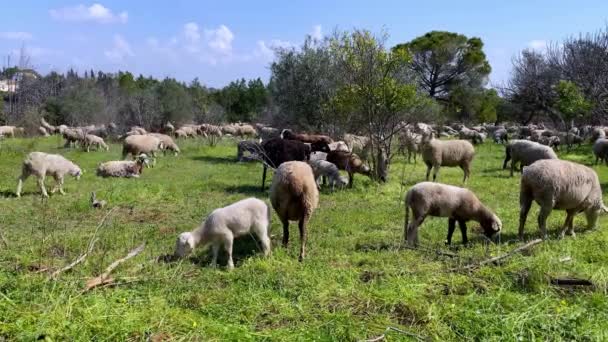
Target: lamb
294, 196
440, 200
138, 144
561, 185
123, 168
600, 150
10, 131
168, 143
350, 163
329, 170
437, 153
93, 140
526, 152
41, 165
225, 224
306, 138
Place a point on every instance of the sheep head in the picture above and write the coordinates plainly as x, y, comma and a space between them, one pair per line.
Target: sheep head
76, 172
184, 244
491, 226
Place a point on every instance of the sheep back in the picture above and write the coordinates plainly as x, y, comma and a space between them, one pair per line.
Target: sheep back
294, 192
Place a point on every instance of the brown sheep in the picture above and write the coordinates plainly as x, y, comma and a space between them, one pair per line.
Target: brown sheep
350, 163
305, 138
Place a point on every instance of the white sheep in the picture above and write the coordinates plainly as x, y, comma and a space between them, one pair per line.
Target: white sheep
440, 200
123, 168
93, 140
10, 131
562, 185
225, 224
339, 146
41, 165
43, 132
294, 196
323, 168
168, 143
600, 150
138, 144
437, 153
525, 152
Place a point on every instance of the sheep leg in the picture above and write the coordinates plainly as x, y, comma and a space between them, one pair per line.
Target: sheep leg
412, 230
568, 224
228, 247
215, 248
467, 173
463, 231
591, 215
22, 179
525, 202
302, 226
264, 177
428, 170
351, 179
285, 232
41, 186
435, 172
451, 228
545, 210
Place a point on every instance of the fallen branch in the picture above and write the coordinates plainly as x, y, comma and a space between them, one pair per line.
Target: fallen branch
104, 278
571, 282
383, 336
89, 248
501, 257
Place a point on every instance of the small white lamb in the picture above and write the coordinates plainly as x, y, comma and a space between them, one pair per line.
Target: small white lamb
224, 224
42, 164
329, 170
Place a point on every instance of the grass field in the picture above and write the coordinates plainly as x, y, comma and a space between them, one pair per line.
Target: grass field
356, 282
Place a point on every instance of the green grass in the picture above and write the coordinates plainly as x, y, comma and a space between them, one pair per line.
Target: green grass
356, 281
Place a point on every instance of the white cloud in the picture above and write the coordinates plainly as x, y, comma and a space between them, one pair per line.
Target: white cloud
266, 50
119, 51
220, 39
537, 44
94, 13
317, 32
16, 35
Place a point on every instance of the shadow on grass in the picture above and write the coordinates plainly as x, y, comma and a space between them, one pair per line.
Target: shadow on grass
10, 194
244, 247
215, 160
246, 189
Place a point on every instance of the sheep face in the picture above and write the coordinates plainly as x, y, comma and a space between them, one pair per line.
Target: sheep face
184, 244
491, 226
76, 172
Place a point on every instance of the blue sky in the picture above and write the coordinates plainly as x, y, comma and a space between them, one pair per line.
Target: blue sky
220, 41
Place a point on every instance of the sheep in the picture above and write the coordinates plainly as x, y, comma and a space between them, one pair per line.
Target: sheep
339, 146
49, 128
246, 131
212, 130
137, 144
43, 132
168, 143
358, 144
437, 153
600, 151
525, 152
91, 139
410, 142
225, 224
267, 133
350, 163
307, 138
441, 200
318, 155
277, 151
180, 133
572, 139
294, 196
123, 168
168, 128
474, 136
252, 147
41, 165
72, 136
138, 130
598, 133
562, 185
329, 170
229, 130
552, 141
10, 131
501, 135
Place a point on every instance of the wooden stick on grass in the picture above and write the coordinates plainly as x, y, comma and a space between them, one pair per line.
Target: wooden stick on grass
105, 278
501, 257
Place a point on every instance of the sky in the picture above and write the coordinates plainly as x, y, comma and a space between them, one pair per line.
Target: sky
220, 41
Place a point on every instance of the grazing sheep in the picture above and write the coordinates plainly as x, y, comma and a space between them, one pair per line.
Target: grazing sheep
572, 139
138, 144
138, 130
294, 196
41, 165
562, 185
600, 151
168, 128
225, 224
72, 136
598, 133
501, 135
11, 131
552, 141
317, 155
267, 133
306, 138
180, 133
329, 170
410, 142
350, 163
277, 151
358, 144
339, 146
525, 152
440, 200
49, 128
123, 168
246, 131
474, 136
42, 131
168, 143
437, 153
212, 131
93, 140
